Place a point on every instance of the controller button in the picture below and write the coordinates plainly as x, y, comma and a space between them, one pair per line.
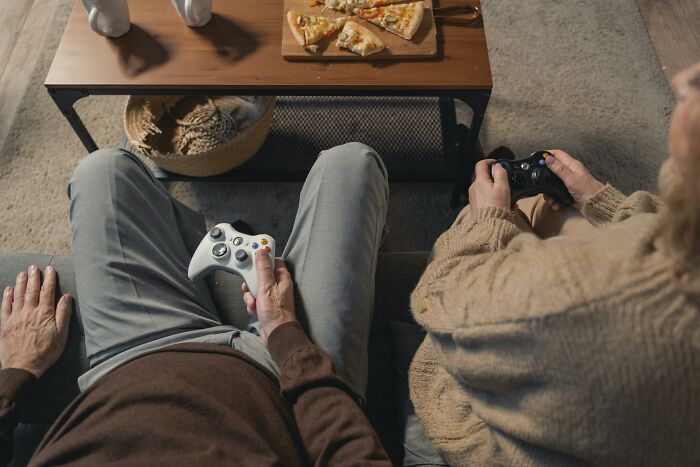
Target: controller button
525, 166
542, 162
215, 232
237, 241
254, 246
263, 241
219, 250
241, 255
268, 249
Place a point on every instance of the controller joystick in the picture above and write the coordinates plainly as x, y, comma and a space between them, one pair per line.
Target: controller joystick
225, 248
531, 176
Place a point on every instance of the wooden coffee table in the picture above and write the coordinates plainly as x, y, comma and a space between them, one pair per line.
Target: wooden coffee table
239, 52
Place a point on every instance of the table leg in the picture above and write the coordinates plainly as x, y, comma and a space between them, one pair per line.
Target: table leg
64, 100
469, 139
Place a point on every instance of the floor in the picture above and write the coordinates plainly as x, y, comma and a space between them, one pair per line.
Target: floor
674, 27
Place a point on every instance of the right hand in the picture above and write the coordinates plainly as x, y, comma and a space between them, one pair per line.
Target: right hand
578, 180
274, 305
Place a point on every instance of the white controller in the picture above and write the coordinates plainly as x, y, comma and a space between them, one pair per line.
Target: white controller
225, 248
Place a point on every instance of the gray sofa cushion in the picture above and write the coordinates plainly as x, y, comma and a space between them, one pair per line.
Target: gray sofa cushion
397, 275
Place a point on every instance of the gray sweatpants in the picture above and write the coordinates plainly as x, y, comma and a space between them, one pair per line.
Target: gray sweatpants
132, 244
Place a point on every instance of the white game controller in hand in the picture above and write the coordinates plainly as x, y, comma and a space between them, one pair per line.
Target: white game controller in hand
225, 248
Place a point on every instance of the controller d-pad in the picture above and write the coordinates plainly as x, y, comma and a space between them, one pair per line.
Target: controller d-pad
519, 179
241, 255
219, 250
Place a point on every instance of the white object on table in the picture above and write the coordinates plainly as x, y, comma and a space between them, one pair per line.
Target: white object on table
196, 13
108, 18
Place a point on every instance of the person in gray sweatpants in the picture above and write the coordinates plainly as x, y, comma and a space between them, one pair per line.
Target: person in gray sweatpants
132, 244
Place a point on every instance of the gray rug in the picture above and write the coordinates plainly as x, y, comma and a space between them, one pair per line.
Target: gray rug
581, 76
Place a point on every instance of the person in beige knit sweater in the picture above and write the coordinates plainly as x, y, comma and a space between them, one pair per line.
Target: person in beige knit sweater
560, 339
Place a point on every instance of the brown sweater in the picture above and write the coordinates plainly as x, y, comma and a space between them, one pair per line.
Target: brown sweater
573, 350
201, 404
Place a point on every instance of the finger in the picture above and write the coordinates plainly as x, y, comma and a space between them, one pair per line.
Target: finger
63, 312
263, 267
281, 272
20, 288
48, 288
248, 299
481, 170
244, 287
31, 296
500, 175
6, 309
558, 168
562, 156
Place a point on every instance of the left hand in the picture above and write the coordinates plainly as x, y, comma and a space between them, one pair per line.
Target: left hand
33, 329
487, 192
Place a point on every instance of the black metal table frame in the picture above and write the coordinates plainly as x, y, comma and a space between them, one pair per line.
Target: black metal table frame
464, 139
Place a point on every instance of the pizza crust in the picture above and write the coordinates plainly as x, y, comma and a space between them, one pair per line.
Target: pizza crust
416, 21
297, 31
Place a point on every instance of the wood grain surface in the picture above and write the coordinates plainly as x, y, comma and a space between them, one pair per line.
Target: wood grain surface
674, 28
422, 45
240, 50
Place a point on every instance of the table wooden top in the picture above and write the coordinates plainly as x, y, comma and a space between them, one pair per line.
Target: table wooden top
241, 49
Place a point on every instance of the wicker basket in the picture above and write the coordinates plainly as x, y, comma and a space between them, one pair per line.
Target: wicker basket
148, 132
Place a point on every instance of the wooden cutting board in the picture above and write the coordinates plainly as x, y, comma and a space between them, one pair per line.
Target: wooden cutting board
423, 44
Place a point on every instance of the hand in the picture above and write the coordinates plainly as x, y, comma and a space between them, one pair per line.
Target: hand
33, 329
486, 192
578, 180
274, 304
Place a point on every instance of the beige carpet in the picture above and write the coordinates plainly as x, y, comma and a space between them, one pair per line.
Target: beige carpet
581, 76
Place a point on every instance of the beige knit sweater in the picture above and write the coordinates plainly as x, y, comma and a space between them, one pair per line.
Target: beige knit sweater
572, 350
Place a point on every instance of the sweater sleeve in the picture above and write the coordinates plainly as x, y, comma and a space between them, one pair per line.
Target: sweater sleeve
609, 205
14, 386
333, 427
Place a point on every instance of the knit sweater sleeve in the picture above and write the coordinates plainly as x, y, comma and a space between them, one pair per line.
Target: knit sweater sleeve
609, 205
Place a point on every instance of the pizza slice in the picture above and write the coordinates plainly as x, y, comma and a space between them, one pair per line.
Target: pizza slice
359, 40
351, 7
403, 20
310, 29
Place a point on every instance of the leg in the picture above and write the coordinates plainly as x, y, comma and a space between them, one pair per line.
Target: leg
132, 245
332, 252
546, 222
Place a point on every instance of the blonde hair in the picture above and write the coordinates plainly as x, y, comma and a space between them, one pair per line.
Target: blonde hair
681, 223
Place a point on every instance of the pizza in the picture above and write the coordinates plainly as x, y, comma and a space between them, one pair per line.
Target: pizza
359, 40
351, 7
310, 29
403, 20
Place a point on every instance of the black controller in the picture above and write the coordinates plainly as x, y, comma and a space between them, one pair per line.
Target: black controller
531, 176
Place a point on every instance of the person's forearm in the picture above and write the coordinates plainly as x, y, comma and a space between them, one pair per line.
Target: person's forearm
333, 427
14, 385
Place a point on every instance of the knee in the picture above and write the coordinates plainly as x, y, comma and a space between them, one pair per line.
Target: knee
99, 168
357, 160
100, 162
